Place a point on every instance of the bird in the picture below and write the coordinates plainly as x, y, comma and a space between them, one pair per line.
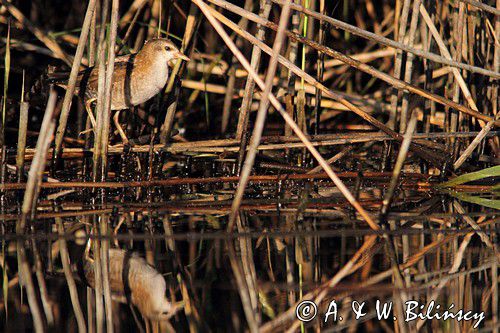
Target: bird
136, 78
133, 280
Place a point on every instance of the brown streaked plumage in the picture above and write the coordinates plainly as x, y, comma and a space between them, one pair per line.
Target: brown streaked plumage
136, 77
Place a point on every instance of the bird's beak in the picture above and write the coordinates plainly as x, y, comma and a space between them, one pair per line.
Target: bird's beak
182, 56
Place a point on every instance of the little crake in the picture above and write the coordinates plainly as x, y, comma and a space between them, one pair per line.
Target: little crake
136, 77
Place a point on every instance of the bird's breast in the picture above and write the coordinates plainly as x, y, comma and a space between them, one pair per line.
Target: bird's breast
139, 86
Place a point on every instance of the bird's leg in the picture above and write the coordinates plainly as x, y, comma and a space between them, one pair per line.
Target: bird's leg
119, 128
86, 254
88, 107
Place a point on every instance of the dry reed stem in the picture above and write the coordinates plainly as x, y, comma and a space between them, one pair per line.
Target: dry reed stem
38, 164
398, 63
483, 6
363, 57
331, 160
345, 191
265, 10
105, 119
261, 117
21, 139
391, 43
190, 30
409, 65
403, 151
399, 84
484, 237
446, 54
339, 97
109, 84
473, 145
75, 68
209, 180
98, 172
228, 98
230, 145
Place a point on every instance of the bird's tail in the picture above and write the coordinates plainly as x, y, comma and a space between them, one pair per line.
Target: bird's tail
57, 77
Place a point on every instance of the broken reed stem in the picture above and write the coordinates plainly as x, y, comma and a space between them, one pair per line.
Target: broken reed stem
38, 164
261, 117
403, 151
345, 191
473, 145
21, 139
75, 68
73, 292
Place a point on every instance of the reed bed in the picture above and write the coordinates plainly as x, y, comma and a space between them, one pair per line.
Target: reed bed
334, 152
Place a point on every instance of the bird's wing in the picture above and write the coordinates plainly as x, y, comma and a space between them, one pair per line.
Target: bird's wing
91, 78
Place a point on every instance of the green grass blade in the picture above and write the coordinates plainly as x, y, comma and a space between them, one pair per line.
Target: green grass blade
491, 203
469, 177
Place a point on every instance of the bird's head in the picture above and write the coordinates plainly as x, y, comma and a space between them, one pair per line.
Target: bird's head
164, 49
